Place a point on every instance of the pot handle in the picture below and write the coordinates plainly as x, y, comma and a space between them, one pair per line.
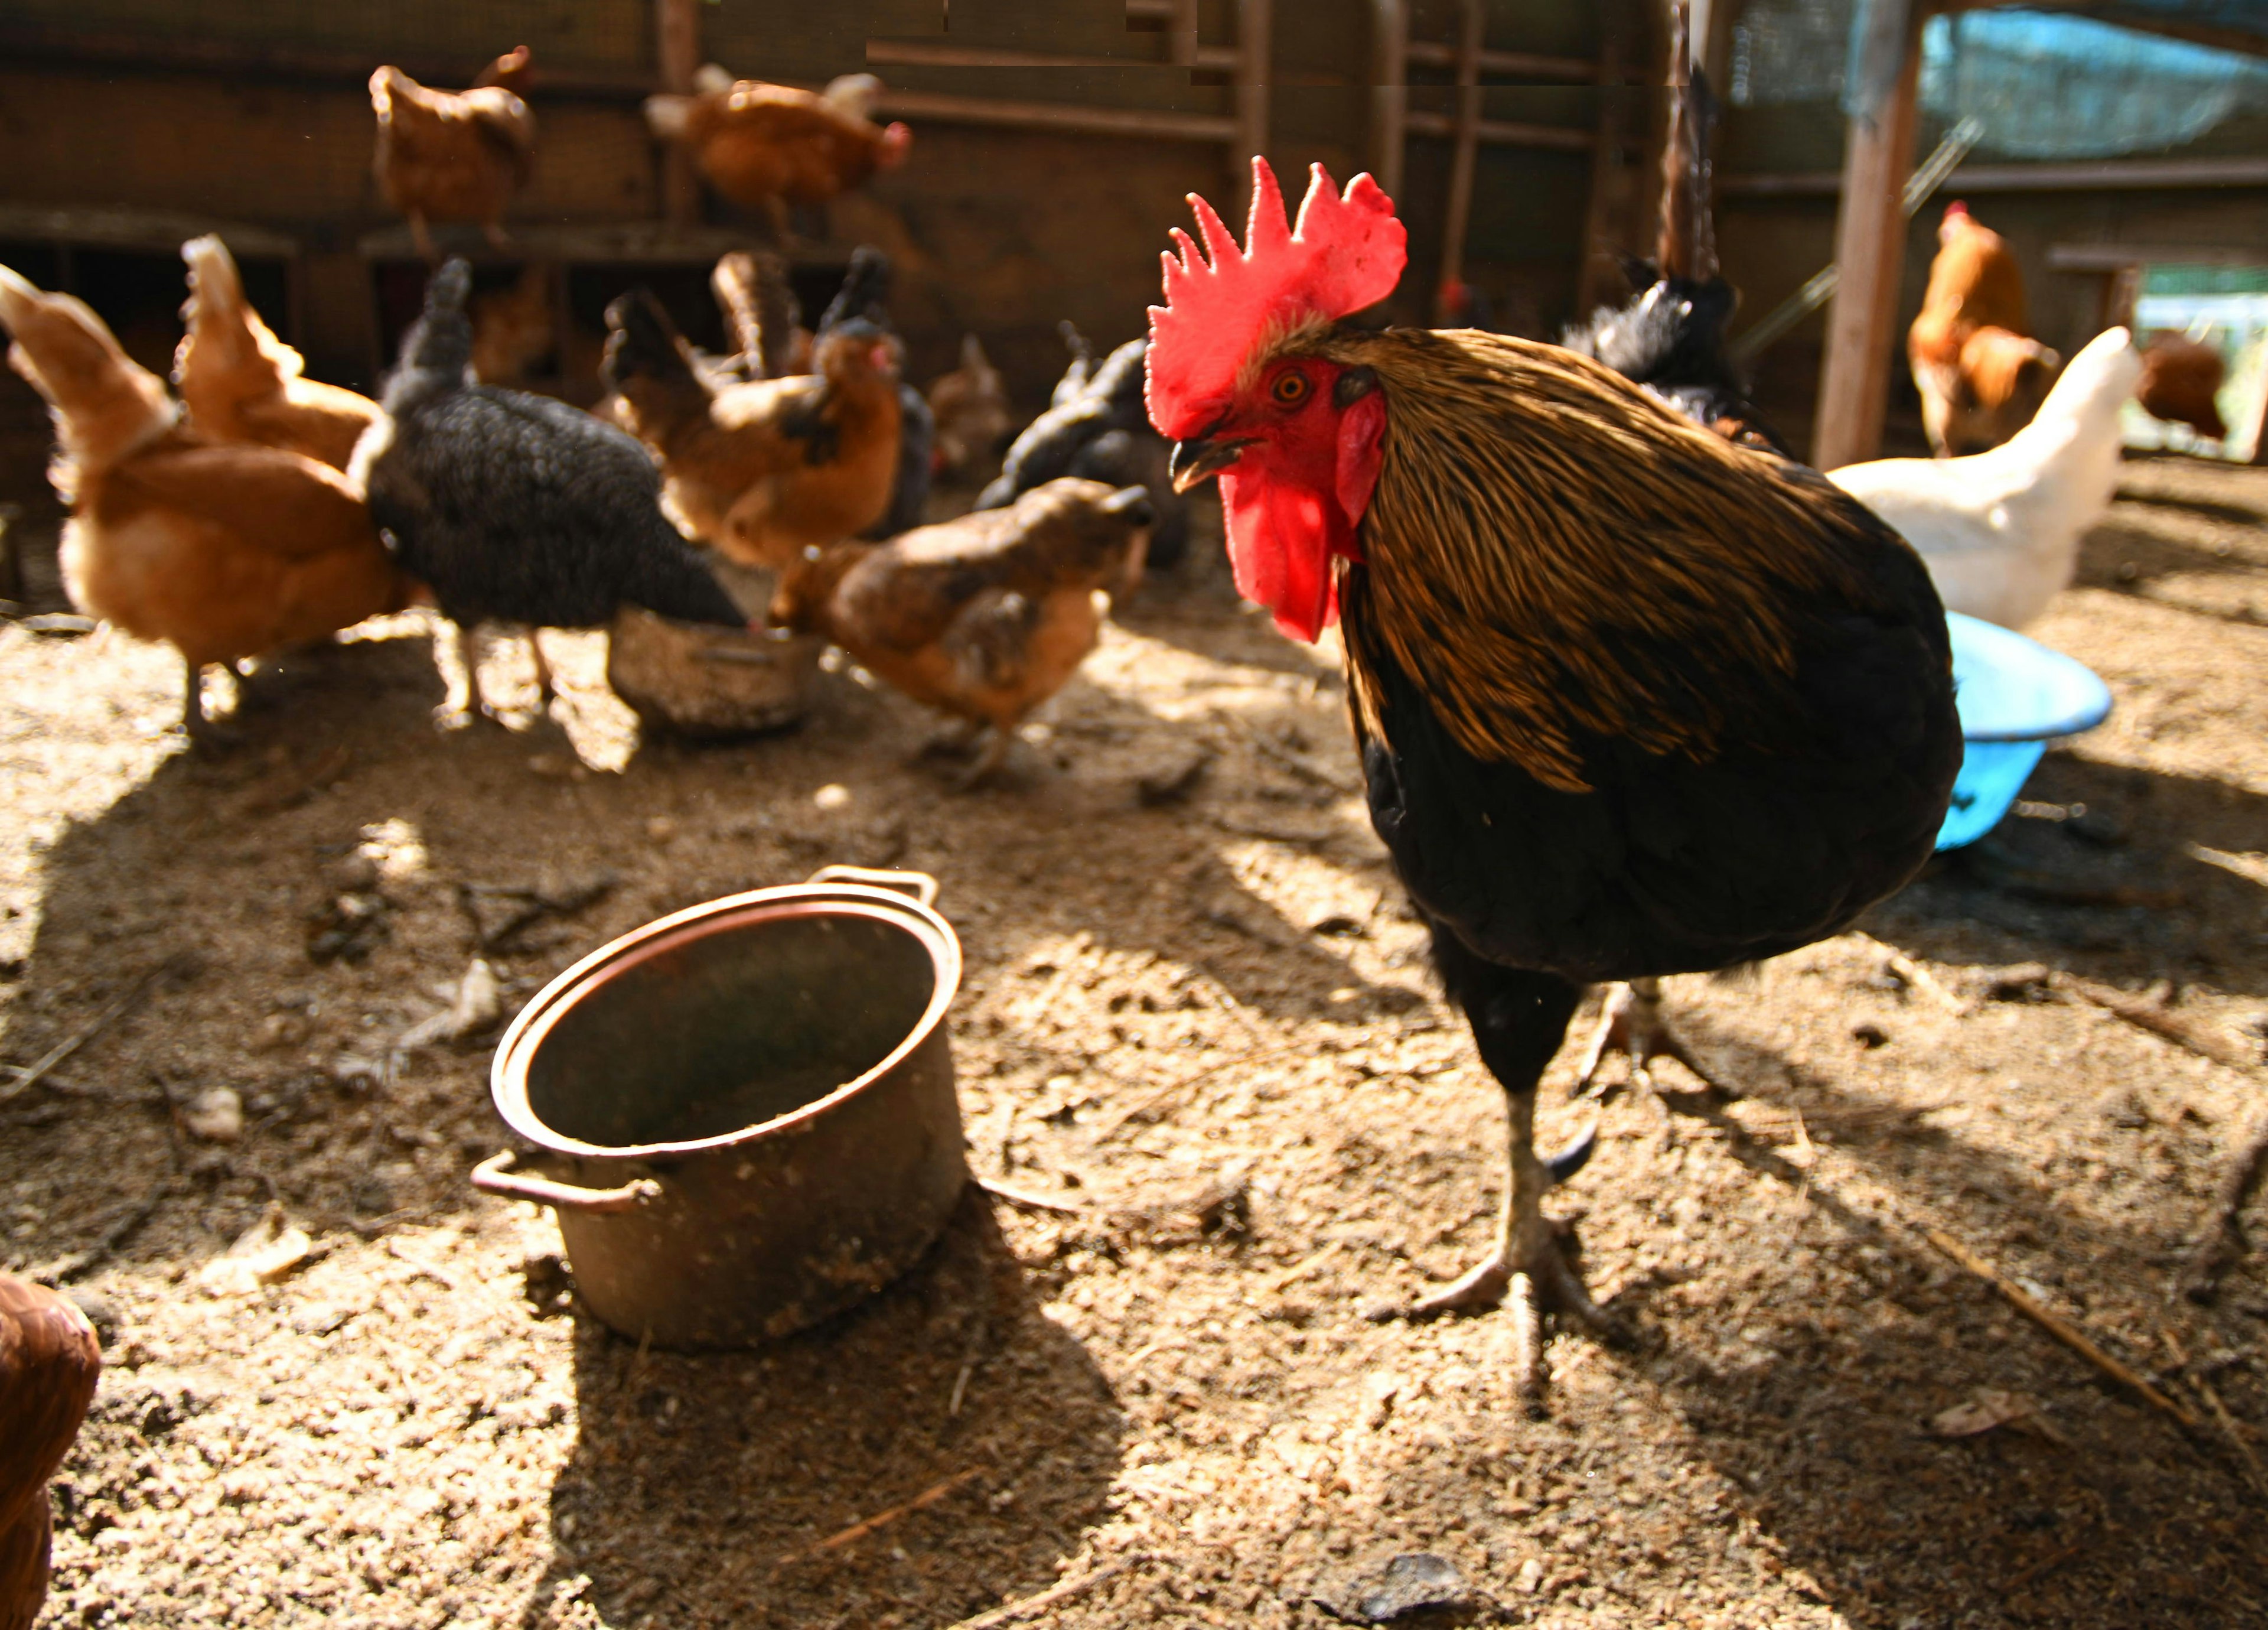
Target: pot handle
921, 885
492, 1176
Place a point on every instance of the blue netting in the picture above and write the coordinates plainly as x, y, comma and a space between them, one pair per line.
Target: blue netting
2047, 86
2044, 85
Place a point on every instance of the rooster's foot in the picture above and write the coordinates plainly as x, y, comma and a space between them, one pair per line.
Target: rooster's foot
1529, 1280
1632, 1022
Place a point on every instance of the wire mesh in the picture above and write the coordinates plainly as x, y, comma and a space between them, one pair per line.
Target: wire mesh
588, 34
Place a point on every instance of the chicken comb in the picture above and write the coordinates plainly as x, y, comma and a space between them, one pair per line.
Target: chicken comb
1346, 252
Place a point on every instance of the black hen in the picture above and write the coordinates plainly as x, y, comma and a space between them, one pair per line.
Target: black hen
1670, 337
1099, 429
518, 508
865, 286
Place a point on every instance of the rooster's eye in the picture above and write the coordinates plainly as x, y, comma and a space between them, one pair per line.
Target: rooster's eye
1290, 389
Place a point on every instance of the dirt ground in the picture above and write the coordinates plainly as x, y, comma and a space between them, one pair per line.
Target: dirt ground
1207, 1020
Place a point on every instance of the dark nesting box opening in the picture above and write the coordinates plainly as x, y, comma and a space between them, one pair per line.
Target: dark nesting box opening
730, 1030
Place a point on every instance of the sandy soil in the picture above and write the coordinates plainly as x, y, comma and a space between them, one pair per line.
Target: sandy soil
1208, 1022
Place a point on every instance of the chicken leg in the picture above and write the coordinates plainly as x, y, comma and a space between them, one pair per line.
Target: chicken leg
206, 733
1632, 1022
1519, 1019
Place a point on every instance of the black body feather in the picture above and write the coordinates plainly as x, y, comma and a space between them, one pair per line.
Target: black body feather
1670, 339
1099, 429
517, 507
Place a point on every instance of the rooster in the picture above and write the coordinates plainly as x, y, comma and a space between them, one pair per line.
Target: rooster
224, 552
514, 507
1630, 700
1980, 378
1670, 338
2000, 530
49, 1363
241, 383
769, 146
454, 155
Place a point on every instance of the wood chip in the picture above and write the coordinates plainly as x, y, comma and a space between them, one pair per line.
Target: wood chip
1011, 1613
2155, 1016
864, 1526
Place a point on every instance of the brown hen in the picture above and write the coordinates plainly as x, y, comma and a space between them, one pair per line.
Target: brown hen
454, 155
223, 552
769, 146
241, 383
1980, 378
984, 618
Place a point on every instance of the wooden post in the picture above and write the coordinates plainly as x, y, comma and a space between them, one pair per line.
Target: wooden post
1870, 231
679, 39
1471, 35
1255, 21
1182, 32
1606, 164
1390, 94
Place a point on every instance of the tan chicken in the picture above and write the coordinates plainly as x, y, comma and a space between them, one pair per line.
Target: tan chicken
49, 1363
769, 146
454, 155
762, 318
971, 407
1981, 379
771, 467
984, 618
222, 552
241, 383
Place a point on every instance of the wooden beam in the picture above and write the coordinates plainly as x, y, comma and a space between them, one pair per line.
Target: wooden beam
1869, 237
922, 53
1071, 117
1182, 31
1255, 48
1472, 33
1505, 133
1512, 64
2112, 257
1389, 93
678, 38
2102, 175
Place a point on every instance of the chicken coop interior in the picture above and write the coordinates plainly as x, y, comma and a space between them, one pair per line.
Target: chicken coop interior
937, 814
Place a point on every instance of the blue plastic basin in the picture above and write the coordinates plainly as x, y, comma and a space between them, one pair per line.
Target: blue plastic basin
2015, 696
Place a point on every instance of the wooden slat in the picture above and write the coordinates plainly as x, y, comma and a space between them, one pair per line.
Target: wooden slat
922, 53
1389, 96
1255, 53
159, 231
1869, 239
677, 32
1472, 33
1512, 64
2110, 257
1066, 116
1501, 133
123, 48
1600, 245
2105, 175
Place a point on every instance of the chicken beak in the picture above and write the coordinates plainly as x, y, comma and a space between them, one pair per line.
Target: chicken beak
1203, 457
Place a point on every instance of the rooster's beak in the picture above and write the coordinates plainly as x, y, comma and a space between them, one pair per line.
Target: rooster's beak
1201, 457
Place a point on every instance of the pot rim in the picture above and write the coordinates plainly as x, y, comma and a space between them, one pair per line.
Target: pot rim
525, 1035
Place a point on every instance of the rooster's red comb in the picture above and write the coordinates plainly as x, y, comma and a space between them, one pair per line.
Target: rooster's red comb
1347, 252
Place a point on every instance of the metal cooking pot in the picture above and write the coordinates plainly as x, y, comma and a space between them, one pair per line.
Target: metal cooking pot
746, 1108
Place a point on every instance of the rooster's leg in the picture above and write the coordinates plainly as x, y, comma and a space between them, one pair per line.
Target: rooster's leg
1632, 1022
1519, 1019
545, 691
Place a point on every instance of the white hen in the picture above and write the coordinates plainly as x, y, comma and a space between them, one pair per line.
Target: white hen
2000, 530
